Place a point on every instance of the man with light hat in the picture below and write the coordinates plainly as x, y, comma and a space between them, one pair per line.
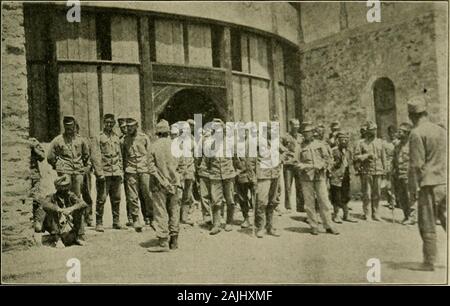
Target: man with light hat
428, 172
63, 217
340, 178
371, 155
312, 163
400, 167
166, 185
108, 170
292, 142
135, 149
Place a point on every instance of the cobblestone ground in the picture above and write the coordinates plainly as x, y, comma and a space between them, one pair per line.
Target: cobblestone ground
238, 256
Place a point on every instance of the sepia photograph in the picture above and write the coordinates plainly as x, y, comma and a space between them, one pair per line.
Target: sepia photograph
224, 143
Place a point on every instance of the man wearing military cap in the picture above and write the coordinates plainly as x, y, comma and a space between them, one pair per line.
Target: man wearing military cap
371, 155
164, 169
335, 127
292, 142
340, 178
312, 163
428, 172
135, 149
221, 170
63, 215
400, 166
108, 171
69, 154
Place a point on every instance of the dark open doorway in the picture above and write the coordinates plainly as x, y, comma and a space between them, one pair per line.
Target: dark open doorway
385, 108
187, 102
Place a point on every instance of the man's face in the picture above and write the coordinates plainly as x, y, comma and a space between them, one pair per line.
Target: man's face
308, 135
109, 124
320, 132
293, 127
343, 142
402, 134
69, 129
131, 129
123, 129
371, 133
63, 189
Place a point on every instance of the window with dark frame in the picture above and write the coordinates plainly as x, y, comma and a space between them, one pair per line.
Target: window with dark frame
216, 37
236, 59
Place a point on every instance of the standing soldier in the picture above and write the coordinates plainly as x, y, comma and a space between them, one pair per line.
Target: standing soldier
267, 188
37, 155
292, 142
122, 121
203, 180
428, 155
69, 154
187, 177
387, 187
371, 154
313, 163
340, 178
164, 171
108, 171
246, 179
221, 174
400, 167
135, 149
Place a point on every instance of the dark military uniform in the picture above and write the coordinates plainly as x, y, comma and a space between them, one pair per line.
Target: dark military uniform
110, 168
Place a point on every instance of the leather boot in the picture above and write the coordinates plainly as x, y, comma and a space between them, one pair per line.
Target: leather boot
185, 215
216, 220
137, 225
230, 217
163, 246
173, 242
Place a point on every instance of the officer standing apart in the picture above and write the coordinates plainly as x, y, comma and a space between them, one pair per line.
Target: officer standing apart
135, 149
108, 171
400, 167
164, 171
427, 148
371, 155
292, 142
69, 154
312, 164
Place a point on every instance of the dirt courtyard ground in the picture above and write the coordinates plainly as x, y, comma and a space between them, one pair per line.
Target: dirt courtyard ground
238, 256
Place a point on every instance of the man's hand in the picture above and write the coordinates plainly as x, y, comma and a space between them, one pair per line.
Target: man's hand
67, 211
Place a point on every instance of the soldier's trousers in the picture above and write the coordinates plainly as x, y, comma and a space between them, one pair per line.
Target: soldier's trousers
429, 197
135, 183
166, 213
312, 190
110, 186
205, 199
267, 199
86, 195
186, 199
222, 191
245, 195
289, 175
52, 225
371, 192
403, 196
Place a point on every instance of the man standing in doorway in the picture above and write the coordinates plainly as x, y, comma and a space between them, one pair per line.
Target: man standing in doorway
428, 155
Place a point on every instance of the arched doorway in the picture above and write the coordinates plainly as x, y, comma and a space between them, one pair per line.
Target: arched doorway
187, 102
385, 109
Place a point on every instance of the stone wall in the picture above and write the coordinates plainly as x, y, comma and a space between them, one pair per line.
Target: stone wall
16, 206
338, 73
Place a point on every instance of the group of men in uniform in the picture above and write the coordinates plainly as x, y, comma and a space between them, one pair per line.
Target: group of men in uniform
162, 185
